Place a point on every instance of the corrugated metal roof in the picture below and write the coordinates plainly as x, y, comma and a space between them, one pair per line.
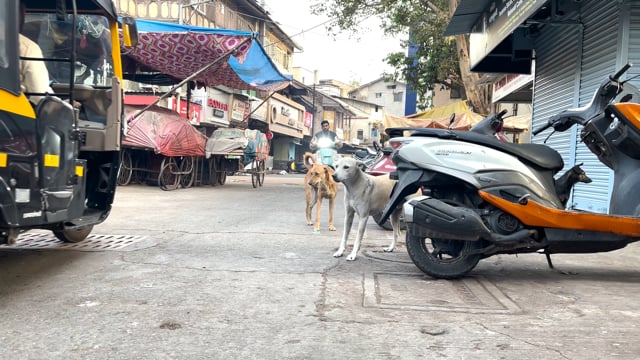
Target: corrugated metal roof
465, 17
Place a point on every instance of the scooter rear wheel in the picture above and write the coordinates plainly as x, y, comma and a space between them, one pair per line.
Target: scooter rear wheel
440, 258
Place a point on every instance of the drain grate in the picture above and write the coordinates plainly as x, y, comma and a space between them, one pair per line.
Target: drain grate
94, 242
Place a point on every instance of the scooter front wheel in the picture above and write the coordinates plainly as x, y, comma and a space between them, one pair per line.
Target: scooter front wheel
442, 258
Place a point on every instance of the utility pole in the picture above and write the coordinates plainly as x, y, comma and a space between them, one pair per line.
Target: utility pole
313, 121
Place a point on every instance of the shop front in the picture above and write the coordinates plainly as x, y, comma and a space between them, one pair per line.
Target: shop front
576, 45
286, 122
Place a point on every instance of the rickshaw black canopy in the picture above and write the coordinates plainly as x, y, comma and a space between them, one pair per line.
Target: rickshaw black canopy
98, 6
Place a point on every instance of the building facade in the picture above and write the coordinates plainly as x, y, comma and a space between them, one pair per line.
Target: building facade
391, 95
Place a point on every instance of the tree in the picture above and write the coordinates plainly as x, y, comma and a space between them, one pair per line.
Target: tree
439, 60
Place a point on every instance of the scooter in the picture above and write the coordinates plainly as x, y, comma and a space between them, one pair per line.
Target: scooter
384, 165
326, 152
485, 197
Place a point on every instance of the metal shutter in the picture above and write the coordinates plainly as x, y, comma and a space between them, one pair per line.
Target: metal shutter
557, 66
600, 40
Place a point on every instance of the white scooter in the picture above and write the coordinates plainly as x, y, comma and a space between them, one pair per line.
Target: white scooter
486, 197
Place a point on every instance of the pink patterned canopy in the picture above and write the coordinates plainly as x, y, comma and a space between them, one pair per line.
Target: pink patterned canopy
180, 51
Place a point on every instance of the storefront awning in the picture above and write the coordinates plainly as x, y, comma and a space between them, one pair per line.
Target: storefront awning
466, 16
498, 41
178, 51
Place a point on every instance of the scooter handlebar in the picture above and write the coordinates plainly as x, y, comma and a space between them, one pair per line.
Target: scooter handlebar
541, 129
620, 72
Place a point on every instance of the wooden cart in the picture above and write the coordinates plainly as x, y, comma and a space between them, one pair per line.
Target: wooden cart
161, 147
232, 158
140, 165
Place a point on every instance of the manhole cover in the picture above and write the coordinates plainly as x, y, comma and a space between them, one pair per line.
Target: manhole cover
410, 291
94, 242
397, 255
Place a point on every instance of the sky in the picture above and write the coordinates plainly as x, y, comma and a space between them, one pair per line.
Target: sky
344, 58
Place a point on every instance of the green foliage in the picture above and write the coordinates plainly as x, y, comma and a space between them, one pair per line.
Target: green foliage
436, 60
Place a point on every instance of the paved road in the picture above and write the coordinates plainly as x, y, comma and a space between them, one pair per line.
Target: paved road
233, 272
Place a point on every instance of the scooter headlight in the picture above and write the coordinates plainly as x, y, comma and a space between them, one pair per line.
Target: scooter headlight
325, 142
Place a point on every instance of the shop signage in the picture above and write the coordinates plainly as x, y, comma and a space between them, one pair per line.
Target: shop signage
500, 19
240, 110
194, 112
308, 119
217, 110
283, 113
509, 84
217, 104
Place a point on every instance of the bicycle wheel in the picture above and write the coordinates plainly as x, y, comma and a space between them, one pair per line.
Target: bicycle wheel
126, 166
186, 171
169, 177
213, 171
254, 173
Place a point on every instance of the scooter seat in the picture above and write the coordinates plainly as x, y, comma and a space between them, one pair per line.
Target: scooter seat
536, 154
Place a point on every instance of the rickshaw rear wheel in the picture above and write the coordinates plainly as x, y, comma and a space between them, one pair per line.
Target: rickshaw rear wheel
125, 170
255, 180
261, 172
213, 171
73, 235
222, 174
186, 171
168, 179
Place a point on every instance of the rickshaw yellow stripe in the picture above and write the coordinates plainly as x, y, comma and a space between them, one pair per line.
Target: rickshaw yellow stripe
3, 159
18, 105
51, 160
80, 171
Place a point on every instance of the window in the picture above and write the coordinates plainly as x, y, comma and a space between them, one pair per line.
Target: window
360, 134
378, 95
397, 96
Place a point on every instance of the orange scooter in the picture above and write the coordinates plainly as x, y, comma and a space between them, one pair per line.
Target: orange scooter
486, 197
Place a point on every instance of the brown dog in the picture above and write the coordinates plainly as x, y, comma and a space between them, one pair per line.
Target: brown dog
319, 184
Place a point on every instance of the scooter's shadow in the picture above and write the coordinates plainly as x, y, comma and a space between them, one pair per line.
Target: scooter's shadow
534, 269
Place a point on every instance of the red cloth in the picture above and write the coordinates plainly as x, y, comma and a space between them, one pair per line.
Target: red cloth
164, 131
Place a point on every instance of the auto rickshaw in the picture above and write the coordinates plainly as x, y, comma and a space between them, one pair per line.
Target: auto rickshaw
59, 158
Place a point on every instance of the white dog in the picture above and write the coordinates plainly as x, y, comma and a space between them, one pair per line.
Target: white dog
365, 195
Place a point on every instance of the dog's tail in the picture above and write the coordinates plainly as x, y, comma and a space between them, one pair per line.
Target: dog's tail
309, 160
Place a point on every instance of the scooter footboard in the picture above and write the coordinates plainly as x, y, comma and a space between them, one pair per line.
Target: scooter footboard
581, 242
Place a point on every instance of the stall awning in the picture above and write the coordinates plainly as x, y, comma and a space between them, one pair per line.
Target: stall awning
178, 51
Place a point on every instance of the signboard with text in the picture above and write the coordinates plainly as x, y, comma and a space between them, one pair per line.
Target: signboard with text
498, 21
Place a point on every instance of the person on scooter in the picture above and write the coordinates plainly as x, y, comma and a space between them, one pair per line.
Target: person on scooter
325, 133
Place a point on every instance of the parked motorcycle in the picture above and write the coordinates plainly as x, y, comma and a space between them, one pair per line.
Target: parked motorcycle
485, 197
369, 156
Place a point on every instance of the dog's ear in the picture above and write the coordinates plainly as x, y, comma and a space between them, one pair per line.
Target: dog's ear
328, 173
361, 165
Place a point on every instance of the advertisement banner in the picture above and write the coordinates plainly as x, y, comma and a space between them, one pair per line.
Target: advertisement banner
308, 119
240, 110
